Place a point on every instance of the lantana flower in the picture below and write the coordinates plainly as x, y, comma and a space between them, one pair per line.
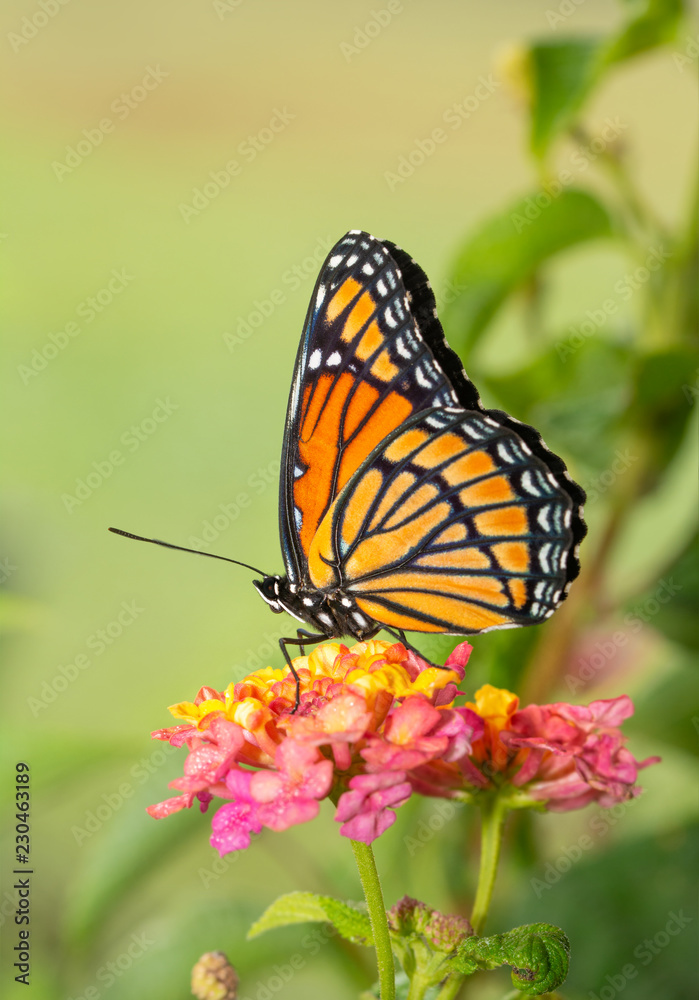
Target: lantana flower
375, 724
563, 755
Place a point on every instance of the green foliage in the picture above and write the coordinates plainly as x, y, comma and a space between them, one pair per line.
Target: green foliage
658, 410
302, 907
538, 953
510, 248
656, 25
576, 396
128, 849
562, 75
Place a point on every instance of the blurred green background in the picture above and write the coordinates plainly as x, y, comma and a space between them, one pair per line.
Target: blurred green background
181, 366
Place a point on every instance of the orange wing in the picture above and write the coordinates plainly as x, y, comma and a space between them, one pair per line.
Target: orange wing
451, 525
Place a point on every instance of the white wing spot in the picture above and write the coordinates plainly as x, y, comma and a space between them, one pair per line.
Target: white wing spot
544, 557
334, 359
381, 288
543, 518
390, 318
334, 261
352, 260
528, 484
315, 359
368, 269
402, 349
320, 296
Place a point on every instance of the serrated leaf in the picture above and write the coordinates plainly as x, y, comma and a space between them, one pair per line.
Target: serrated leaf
511, 246
305, 907
538, 954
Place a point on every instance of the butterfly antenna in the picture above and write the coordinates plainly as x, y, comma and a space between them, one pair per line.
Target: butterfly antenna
181, 548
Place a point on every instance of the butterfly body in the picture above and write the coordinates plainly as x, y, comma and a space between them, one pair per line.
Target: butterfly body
333, 614
404, 504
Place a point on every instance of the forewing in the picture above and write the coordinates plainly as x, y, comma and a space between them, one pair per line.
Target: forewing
452, 525
372, 355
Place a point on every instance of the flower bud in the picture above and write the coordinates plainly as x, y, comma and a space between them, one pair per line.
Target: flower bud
214, 978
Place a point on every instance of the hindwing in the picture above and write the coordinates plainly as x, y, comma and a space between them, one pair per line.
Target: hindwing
451, 525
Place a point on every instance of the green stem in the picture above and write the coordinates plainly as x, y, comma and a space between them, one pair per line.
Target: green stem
451, 987
493, 813
369, 877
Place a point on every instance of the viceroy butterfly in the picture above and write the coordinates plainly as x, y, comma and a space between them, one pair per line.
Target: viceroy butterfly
404, 505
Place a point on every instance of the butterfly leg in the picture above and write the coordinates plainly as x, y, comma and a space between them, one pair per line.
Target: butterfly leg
305, 634
302, 637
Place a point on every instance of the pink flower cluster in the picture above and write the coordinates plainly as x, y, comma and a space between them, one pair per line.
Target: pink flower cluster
566, 755
375, 724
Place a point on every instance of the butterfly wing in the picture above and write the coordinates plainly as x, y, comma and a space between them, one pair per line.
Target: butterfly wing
452, 524
372, 354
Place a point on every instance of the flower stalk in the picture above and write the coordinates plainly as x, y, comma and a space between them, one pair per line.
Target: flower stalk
371, 884
494, 811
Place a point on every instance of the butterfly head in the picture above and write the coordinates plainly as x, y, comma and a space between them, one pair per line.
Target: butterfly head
269, 589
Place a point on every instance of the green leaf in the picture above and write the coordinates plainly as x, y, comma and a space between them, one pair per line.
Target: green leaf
674, 601
130, 846
659, 408
562, 74
508, 249
576, 396
538, 953
656, 25
303, 907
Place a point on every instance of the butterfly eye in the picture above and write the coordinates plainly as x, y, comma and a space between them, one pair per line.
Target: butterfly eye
268, 589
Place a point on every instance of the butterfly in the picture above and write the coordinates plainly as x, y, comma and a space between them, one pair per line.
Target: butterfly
404, 505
